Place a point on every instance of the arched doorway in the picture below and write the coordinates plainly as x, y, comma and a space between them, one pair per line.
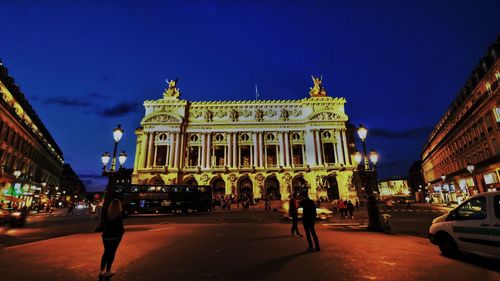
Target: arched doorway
191, 181
157, 180
245, 187
299, 186
272, 188
332, 188
218, 187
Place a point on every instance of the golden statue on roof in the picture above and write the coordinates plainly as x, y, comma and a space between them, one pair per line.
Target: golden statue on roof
172, 90
317, 90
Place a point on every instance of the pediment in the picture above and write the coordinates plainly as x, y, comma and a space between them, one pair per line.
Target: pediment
161, 118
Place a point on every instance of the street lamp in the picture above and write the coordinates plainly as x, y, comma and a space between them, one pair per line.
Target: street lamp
369, 177
106, 157
117, 135
471, 168
122, 158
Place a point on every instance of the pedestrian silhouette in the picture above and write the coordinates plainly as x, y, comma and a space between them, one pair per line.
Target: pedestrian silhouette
308, 220
112, 232
292, 213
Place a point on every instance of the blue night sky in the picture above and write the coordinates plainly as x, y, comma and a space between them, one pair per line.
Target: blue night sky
86, 66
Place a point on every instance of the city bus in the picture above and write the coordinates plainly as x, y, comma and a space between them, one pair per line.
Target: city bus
150, 199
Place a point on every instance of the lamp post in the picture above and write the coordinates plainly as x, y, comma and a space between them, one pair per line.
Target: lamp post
369, 178
447, 198
105, 158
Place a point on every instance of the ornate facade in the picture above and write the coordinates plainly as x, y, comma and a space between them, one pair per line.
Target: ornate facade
467, 134
31, 162
258, 148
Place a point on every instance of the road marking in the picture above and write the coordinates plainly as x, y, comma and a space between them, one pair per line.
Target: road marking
163, 228
370, 277
389, 263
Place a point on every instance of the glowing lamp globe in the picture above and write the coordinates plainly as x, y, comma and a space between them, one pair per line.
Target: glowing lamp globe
362, 131
374, 157
358, 157
122, 158
105, 158
118, 133
470, 168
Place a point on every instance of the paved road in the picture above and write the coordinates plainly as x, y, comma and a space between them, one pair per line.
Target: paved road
240, 251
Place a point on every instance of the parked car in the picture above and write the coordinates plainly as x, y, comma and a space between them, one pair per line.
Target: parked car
321, 213
473, 227
12, 218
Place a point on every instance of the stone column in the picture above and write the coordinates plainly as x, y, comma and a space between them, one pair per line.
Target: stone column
142, 153
255, 150
171, 150
209, 150
320, 149
203, 150
288, 154
177, 150
235, 150
282, 150
261, 149
138, 153
347, 157
150, 150
340, 153
229, 159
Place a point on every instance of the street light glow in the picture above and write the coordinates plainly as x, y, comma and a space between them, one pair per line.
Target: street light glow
443, 177
374, 157
358, 157
105, 158
362, 131
118, 133
470, 168
122, 158
17, 173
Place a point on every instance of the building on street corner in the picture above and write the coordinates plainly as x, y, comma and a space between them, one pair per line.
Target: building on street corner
31, 162
462, 154
254, 148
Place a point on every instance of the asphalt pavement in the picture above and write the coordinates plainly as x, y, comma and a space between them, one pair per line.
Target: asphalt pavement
236, 245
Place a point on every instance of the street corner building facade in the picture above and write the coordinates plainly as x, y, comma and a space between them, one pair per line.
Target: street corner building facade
31, 161
462, 155
247, 148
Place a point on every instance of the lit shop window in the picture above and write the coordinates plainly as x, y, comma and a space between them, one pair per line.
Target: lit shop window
490, 178
496, 112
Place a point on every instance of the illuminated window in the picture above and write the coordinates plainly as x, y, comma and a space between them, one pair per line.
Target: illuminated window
297, 154
219, 156
161, 155
193, 156
271, 156
490, 178
496, 113
245, 156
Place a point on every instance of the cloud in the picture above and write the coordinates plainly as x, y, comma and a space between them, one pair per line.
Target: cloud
120, 109
98, 96
417, 132
69, 102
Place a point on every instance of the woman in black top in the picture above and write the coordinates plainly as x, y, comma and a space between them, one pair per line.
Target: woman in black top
111, 236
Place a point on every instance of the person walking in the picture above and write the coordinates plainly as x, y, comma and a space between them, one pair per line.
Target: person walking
342, 209
112, 233
293, 213
308, 220
350, 209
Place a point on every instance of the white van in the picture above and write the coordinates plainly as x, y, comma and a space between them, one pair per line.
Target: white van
473, 227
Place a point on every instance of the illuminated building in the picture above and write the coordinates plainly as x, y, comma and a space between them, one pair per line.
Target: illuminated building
31, 162
255, 148
462, 154
393, 187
